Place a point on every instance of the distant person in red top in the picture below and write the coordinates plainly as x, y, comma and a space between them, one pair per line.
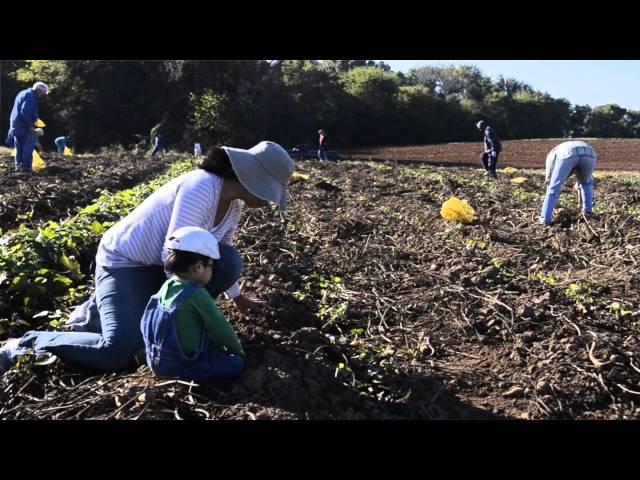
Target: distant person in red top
322, 144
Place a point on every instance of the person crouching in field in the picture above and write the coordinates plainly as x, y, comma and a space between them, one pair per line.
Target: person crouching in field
563, 160
61, 142
185, 333
130, 256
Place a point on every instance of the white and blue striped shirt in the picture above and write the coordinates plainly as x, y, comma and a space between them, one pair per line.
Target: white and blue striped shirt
188, 200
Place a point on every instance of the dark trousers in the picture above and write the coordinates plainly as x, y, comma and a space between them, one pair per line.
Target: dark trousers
489, 162
322, 153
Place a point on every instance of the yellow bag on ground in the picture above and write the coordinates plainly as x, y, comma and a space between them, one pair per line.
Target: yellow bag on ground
40, 124
458, 210
67, 151
38, 163
509, 170
299, 176
518, 180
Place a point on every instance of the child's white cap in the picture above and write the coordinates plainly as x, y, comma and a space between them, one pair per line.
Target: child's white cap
194, 239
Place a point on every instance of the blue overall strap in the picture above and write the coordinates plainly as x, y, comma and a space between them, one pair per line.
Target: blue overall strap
186, 293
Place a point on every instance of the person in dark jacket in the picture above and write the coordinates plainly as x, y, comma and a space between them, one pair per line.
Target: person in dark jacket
492, 149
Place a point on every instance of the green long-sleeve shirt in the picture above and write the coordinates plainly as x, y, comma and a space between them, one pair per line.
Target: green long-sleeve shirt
199, 312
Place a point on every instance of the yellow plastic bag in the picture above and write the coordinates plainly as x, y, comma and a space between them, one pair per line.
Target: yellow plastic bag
509, 170
518, 180
40, 124
67, 151
299, 176
458, 210
38, 163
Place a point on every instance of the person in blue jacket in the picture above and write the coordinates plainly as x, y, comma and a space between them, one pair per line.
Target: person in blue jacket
61, 142
22, 128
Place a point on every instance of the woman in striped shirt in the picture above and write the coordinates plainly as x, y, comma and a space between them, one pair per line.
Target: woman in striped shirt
131, 253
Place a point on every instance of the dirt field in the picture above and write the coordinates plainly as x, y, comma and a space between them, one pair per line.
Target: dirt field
381, 309
69, 182
613, 154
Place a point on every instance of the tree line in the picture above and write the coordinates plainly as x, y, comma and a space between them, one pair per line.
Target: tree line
239, 102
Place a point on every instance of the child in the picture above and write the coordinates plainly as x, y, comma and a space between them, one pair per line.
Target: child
185, 334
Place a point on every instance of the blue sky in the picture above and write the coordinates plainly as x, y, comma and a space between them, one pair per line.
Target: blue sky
591, 82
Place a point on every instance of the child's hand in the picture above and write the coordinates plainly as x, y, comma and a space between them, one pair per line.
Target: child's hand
246, 305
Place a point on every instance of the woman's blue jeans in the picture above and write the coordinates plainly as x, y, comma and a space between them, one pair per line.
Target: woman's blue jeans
122, 295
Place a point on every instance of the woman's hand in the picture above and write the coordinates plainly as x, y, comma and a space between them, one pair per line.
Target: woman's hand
246, 305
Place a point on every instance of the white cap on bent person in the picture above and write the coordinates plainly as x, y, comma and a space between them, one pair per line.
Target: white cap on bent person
41, 86
263, 170
196, 240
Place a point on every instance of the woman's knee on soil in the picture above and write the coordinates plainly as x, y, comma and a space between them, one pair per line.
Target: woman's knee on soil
120, 355
229, 268
230, 261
